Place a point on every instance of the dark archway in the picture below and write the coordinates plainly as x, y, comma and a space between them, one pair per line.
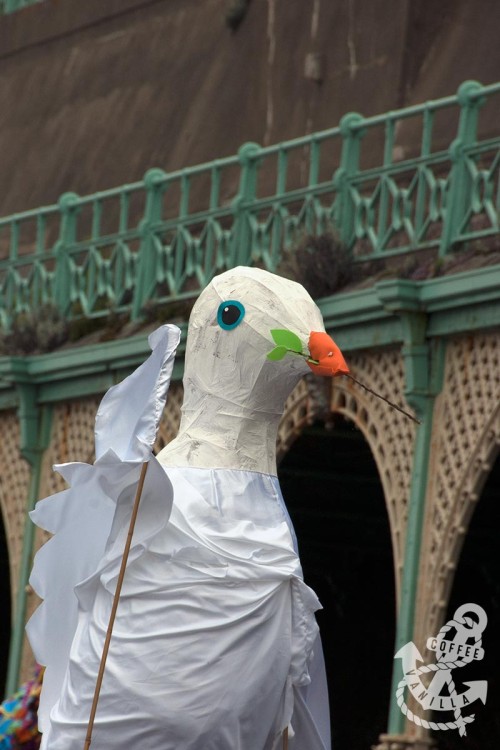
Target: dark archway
477, 580
332, 489
5, 601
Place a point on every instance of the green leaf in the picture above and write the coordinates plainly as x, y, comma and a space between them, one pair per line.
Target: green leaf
277, 353
285, 338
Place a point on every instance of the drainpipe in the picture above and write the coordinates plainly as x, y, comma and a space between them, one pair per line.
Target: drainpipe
424, 366
35, 424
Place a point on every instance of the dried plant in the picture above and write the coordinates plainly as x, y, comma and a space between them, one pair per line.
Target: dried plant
321, 263
34, 332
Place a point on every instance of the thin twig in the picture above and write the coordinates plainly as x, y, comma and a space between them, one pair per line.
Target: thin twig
114, 607
374, 393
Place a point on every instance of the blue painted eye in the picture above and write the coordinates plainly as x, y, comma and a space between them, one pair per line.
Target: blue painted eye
230, 314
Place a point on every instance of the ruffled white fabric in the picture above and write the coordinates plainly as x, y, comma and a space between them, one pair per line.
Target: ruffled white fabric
215, 645
81, 518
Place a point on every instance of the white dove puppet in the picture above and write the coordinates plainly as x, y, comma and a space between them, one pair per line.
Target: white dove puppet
215, 644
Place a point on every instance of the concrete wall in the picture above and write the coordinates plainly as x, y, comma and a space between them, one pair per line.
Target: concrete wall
92, 94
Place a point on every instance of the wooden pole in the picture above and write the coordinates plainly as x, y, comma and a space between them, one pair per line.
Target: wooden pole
116, 599
285, 738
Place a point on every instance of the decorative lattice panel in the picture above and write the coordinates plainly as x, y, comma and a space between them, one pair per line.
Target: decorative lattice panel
465, 442
389, 433
171, 417
14, 485
72, 439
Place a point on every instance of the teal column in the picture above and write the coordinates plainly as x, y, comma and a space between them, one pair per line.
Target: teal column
35, 424
424, 365
416, 510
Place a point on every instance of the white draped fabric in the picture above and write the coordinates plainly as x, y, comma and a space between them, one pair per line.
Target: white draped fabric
214, 630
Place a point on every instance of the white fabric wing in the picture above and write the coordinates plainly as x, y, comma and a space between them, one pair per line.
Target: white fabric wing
128, 416
81, 517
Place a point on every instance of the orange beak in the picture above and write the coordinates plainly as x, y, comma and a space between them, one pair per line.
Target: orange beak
328, 356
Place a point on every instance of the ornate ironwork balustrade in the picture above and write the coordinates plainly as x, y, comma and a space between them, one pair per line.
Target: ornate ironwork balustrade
163, 238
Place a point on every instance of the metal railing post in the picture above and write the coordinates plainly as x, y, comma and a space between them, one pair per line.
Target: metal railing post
68, 207
460, 184
344, 213
11, 6
155, 181
241, 245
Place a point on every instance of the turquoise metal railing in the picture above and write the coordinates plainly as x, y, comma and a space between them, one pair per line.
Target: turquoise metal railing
10, 6
164, 237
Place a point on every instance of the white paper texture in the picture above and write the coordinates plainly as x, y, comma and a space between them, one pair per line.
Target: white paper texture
233, 395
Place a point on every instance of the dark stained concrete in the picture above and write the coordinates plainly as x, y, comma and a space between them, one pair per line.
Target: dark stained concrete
93, 94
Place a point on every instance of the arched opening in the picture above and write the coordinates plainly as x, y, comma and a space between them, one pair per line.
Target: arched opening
333, 491
477, 580
5, 600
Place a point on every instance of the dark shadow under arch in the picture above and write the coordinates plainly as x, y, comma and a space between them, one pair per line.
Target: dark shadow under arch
477, 580
5, 603
332, 489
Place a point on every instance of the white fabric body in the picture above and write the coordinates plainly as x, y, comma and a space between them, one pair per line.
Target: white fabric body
213, 635
215, 644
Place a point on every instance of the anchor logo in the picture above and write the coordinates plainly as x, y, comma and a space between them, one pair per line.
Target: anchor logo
458, 643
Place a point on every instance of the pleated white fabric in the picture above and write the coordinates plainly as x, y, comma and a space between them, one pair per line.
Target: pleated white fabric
214, 631
88, 520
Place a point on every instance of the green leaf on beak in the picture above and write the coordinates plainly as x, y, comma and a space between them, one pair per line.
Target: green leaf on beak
290, 341
277, 353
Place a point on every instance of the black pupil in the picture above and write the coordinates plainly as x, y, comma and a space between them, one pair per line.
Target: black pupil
230, 314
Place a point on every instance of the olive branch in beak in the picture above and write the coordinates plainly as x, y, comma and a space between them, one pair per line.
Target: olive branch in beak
288, 342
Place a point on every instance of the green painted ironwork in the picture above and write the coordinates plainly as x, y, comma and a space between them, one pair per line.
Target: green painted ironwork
406, 616
163, 238
10, 6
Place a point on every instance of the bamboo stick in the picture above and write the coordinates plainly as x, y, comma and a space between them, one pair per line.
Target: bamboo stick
114, 607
